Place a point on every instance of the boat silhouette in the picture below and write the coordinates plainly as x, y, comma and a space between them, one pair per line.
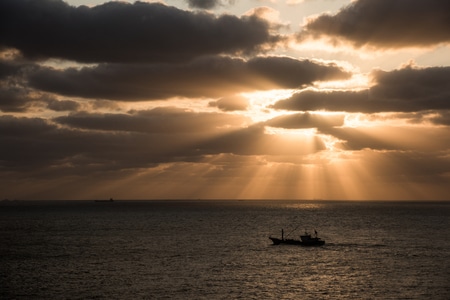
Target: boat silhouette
306, 239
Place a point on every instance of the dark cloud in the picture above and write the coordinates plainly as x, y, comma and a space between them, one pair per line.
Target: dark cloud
13, 99
20, 99
163, 120
31, 142
8, 68
394, 138
11, 126
306, 120
331, 101
231, 103
208, 4
424, 88
385, 24
63, 105
425, 117
441, 118
17, 96
14, 93
123, 32
435, 117
205, 77
404, 90
74, 151
287, 72
89, 143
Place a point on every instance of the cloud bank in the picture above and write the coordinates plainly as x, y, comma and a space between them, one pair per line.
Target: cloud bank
384, 24
403, 90
123, 32
205, 77
158, 101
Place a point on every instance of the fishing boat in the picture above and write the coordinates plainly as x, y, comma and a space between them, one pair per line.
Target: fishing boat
305, 240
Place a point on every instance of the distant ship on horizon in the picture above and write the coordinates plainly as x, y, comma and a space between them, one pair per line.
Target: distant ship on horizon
110, 200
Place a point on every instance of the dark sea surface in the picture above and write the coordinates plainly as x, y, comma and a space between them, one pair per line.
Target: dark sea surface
221, 250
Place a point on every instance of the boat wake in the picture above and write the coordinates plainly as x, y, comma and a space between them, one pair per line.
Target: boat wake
355, 245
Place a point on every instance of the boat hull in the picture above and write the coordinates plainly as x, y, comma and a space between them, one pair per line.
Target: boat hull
312, 243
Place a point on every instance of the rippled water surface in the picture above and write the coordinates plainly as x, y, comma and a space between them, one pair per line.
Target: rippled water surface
221, 250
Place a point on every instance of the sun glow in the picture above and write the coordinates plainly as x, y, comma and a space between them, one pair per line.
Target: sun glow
356, 83
259, 102
292, 133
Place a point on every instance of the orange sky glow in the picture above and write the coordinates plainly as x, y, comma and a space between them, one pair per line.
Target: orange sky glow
225, 100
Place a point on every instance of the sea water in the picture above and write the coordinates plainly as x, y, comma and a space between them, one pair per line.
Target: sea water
221, 250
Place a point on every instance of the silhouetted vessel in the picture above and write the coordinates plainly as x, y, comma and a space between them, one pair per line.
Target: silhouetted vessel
109, 201
305, 240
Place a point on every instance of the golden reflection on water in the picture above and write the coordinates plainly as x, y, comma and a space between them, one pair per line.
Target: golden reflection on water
304, 205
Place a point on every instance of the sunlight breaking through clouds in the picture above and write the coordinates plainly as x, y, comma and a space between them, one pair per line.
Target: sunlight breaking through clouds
224, 99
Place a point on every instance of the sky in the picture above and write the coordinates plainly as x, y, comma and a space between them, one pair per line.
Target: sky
225, 99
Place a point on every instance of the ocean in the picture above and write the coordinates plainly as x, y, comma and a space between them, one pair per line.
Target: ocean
221, 250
